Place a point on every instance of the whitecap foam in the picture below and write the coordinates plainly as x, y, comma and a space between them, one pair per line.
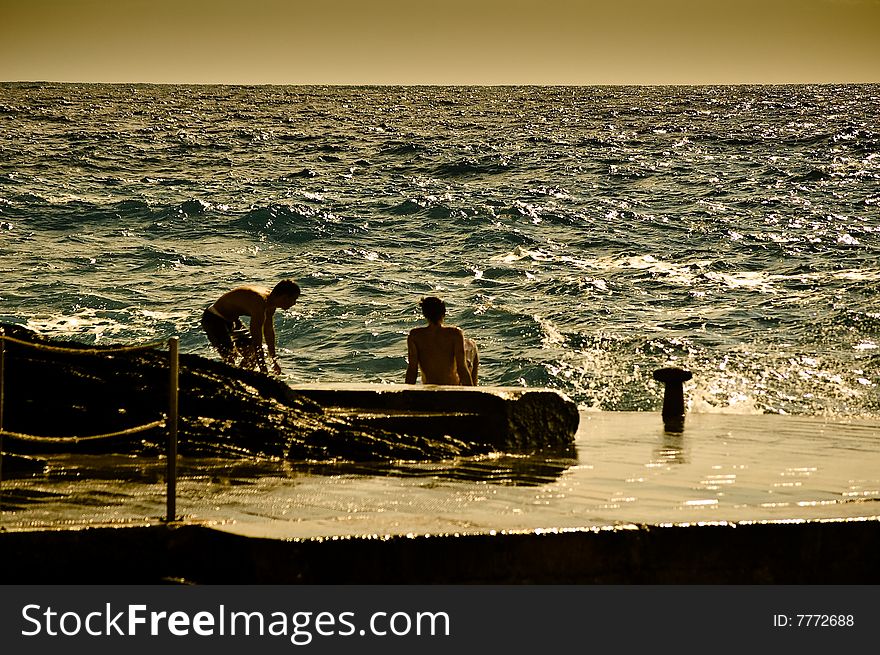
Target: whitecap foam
519, 253
683, 274
712, 398
858, 275
97, 324
750, 280
550, 335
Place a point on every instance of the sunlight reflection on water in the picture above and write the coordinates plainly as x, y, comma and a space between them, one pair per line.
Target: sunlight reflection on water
628, 470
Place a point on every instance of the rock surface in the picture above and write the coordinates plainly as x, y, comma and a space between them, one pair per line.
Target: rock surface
228, 411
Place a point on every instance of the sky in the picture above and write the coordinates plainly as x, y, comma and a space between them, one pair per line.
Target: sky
577, 42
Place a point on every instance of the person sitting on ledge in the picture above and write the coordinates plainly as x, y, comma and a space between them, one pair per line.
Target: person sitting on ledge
438, 350
221, 322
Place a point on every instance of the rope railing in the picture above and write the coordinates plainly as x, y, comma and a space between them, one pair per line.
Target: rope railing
74, 439
168, 421
97, 350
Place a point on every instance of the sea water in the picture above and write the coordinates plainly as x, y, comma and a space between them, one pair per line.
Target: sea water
582, 236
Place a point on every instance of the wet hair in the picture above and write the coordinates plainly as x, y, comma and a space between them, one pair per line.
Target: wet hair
286, 288
433, 308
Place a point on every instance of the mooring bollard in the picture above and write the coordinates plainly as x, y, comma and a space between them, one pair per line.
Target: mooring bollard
673, 396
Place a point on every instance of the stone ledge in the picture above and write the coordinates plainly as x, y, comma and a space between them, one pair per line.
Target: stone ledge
506, 418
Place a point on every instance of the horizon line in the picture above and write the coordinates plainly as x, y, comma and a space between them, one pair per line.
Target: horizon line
449, 84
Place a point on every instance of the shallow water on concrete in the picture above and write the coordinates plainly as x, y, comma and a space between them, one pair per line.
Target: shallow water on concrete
627, 470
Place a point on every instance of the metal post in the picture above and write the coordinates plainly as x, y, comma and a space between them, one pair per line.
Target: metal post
2, 399
171, 492
2, 362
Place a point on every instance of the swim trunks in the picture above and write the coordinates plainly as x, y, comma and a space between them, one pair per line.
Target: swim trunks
224, 335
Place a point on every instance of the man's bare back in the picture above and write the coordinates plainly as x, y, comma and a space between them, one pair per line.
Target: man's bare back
436, 350
259, 305
247, 301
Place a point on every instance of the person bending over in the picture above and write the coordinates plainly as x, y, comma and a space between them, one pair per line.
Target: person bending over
222, 323
438, 351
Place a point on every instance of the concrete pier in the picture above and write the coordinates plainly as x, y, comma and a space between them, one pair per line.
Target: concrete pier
812, 552
734, 499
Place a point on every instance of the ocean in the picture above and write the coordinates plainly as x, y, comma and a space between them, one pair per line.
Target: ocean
583, 236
